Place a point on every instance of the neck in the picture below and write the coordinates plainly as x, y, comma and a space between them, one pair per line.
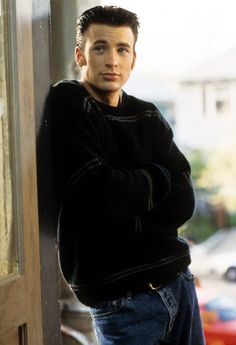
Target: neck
109, 98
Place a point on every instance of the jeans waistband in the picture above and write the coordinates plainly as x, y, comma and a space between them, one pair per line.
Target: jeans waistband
151, 285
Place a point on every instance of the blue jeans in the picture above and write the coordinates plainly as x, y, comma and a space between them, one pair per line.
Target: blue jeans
167, 316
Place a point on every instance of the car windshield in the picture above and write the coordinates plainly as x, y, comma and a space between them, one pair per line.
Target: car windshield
214, 240
220, 241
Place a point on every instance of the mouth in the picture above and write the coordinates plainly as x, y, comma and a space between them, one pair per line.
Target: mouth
110, 76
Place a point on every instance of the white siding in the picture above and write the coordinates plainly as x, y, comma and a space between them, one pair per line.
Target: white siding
206, 130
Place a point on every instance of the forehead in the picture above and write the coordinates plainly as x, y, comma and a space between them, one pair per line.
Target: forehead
109, 34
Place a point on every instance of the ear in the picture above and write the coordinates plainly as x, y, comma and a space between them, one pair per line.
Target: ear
134, 60
79, 57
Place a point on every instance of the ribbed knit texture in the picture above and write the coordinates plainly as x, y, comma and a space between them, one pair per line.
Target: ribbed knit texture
123, 187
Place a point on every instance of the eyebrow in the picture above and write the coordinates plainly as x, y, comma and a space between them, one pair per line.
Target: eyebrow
120, 44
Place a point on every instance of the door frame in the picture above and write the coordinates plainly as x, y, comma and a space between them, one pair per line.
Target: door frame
20, 295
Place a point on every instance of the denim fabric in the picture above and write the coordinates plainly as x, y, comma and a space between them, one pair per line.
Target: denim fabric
167, 316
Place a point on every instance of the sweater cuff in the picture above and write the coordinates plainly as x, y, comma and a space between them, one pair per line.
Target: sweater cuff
159, 184
150, 194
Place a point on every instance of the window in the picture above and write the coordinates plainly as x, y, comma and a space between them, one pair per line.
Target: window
222, 103
222, 107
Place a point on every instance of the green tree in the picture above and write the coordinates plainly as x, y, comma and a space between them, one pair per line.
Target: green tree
213, 176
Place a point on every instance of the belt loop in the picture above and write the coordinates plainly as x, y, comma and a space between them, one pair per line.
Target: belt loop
129, 294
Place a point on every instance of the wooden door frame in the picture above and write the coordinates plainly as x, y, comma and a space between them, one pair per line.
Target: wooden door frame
50, 278
20, 296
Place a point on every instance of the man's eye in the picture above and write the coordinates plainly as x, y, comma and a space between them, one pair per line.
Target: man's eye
99, 49
123, 51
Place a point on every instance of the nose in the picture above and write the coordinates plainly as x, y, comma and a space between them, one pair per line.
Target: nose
111, 59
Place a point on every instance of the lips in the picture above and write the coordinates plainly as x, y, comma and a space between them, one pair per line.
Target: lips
110, 76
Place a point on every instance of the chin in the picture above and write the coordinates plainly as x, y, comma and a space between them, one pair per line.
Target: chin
110, 85
110, 88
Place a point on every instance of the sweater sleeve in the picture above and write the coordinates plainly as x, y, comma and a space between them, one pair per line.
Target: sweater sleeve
178, 206
83, 174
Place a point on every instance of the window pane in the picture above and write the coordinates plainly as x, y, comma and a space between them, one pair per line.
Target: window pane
7, 239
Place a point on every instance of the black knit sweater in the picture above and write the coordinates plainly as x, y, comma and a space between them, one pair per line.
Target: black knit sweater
124, 189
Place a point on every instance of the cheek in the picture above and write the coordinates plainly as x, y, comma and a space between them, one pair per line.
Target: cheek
94, 64
129, 67
133, 63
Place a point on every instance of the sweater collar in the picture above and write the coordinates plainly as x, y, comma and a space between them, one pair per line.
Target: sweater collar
107, 109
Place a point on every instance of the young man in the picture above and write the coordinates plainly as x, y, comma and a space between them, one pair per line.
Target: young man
124, 189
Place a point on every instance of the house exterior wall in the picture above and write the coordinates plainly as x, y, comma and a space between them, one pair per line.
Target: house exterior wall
206, 115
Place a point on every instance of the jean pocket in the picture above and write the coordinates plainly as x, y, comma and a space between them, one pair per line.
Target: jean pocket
171, 304
187, 275
106, 308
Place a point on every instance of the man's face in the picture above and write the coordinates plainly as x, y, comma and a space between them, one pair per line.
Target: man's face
107, 57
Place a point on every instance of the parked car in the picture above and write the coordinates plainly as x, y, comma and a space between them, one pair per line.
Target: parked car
218, 314
216, 255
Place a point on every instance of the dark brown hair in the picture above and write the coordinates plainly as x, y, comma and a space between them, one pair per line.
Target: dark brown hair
108, 15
